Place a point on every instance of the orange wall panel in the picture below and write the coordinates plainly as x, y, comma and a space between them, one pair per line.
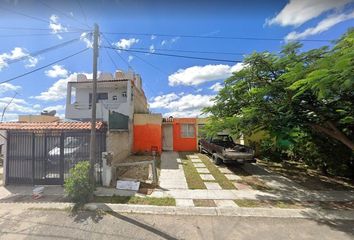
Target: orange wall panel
147, 136
180, 143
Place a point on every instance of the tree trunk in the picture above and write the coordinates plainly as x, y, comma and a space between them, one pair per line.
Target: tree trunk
332, 131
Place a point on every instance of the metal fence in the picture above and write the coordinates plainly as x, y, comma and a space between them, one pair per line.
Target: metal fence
47, 157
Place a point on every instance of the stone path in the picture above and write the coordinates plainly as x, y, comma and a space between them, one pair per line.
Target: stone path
172, 174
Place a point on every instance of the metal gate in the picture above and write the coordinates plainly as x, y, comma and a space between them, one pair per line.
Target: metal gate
46, 157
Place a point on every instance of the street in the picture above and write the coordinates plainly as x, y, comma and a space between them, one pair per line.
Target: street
17, 223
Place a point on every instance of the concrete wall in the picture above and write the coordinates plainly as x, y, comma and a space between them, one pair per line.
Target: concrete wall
80, 109
140, 102
37, 118
118, 144
147, 132
184, 143
3, 142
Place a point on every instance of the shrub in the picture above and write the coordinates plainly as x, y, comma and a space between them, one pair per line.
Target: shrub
77, 186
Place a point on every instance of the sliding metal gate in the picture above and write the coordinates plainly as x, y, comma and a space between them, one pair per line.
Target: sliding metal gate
47, 157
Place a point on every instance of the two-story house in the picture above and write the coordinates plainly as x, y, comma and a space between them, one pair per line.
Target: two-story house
119, 97
122, 94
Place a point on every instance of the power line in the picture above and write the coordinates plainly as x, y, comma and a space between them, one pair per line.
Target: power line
40, 68
25, 15
35, 34
31, 17
214, 37
43, 51
190, 51
173, 55
63, 13
83, 13
106, 39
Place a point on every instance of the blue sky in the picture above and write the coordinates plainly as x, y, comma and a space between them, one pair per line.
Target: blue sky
174, 86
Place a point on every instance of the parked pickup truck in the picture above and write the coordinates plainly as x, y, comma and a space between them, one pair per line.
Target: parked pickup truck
224, 149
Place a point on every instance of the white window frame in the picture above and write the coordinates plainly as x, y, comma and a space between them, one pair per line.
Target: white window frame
187, 130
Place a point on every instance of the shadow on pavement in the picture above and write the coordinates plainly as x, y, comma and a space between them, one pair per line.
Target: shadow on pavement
141, 225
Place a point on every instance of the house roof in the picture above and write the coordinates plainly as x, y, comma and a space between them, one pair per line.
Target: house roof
50, 126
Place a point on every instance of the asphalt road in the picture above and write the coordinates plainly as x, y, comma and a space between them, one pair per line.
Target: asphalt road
59, 224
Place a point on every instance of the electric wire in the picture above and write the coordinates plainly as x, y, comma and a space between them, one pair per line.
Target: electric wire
174, 55
214, 37
45, 66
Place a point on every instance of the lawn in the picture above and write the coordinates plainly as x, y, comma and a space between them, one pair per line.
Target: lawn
136, 200
219, 177
192, 176
309, 178
204, 203
268, 203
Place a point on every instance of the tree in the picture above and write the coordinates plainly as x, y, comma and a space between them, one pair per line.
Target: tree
291, 92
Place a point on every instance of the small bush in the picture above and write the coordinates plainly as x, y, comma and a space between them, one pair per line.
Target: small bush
77, 186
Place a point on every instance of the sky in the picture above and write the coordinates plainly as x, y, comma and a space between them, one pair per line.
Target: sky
218, 34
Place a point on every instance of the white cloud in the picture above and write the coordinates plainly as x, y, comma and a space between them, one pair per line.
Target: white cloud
170, 41
200, 74
152, 48
153, 37
188, 105
56, 27
126, 43
130, 58
58, 90
175, 39
16, 105
57, 71
57, 108
322, 26
216, 87
86, 37
17, 54
163, 100
5, 87
297, 12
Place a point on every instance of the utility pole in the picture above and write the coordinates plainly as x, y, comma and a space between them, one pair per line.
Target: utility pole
93, 105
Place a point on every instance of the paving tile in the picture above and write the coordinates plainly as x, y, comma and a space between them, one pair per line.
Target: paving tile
184, 203
207, 177
225, 170
225, 203
212, 186
193, 156
196, 161
199, 165
233, 177
241, 186
202, 170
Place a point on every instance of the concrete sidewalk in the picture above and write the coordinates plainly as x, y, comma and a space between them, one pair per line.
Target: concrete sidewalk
339, 196
305, 213
172, 174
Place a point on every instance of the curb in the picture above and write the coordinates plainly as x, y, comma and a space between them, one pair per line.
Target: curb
194, 211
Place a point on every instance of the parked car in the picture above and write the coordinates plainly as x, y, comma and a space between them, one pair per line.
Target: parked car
224, 149
74, 150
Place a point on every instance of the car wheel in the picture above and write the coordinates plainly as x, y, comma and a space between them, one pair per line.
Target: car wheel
216, 159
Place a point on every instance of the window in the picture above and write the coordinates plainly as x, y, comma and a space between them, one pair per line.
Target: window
114, 98
100, 96
124, 94
187, 130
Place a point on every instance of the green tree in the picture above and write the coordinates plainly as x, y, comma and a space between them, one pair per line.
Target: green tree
290, 93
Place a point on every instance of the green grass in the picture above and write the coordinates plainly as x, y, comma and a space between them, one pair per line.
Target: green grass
193, 178
270, 203
136, 200
204, 203
219, 177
